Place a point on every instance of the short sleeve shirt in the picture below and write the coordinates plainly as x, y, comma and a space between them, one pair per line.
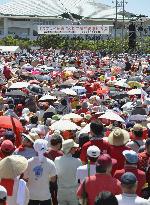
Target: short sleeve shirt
38, 175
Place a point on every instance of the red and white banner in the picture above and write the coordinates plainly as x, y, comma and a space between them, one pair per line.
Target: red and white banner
74, 29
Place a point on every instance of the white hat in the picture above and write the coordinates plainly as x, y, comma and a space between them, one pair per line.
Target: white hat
3, 193
93, 151
68, 144
40, 146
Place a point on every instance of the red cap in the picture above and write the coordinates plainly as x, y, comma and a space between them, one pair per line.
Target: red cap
105, 160
7, 146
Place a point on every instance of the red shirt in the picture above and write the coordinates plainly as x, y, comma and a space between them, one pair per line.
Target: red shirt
52, 154
100, 143
116, 153
82, 110
143, 160
98, 183
141, 177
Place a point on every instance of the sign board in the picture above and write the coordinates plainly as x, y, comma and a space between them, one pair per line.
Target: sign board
74, 29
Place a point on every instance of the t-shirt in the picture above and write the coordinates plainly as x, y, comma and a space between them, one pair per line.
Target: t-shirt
52, 154
38, 175
135, 145
100, 143
66, 167
99, 183
141, 177
82, 172
132, 199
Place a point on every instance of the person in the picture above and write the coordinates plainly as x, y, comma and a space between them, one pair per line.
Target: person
6, 149
144, 161
55, 147
129, 185
11, 169
96, 130
131, 161
40, 170
137, 142
32, 123
3, 195
84, 171
118, 139
26, 148
101, 181
66, 167
11, 112
84, 108
10, 135
106, 198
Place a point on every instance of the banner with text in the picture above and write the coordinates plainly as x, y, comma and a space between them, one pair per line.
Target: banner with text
74, 29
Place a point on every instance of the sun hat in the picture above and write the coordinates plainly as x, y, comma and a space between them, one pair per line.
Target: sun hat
7, 146
3, 193
105, 160
68, 144
93, 151
118, 137
130, 156
32, 136
137, 128
12, 166
128, 178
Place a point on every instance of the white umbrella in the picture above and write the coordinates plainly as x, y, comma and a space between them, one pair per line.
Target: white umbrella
122, 83
71, 116
134, 92
86, 129
19, 85
79, 89
72, 69
27, 66
63, 125
47, 97
138, 117
110, 115
69, 91
128, 105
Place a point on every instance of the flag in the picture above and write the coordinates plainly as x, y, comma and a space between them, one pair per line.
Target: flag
143, 96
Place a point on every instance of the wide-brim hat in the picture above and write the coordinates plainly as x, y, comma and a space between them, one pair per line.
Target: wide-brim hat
137, 128
32, 136
12, 166
118, 137
68, 144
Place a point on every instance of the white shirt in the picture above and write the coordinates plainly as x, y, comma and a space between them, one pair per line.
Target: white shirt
134, 146
82, 172
131, 199
66, 167
38, 175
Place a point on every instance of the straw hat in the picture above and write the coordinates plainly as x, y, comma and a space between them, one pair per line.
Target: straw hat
68, 144
12, 166
137, 127
32, 136
118, 137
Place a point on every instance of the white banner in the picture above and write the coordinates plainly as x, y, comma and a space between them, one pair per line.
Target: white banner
73, 29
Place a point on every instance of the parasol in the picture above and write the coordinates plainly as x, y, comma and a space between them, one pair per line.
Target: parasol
69, 91
19, 85
47, 97
63, 125
79, 89
110, 115
71, 116
16, 93
134, 92
9, 122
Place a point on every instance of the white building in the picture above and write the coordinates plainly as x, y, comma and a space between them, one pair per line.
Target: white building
21, 17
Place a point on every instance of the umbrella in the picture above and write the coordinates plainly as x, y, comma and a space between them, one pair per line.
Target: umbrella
70, 82
110, 115
47, 97
34, 82
147, 78
86, 129
27, 67
72, 69
35, 89
71, 116
19, 85
122, 83
138, 117
132, 84
68, 91
134, 92
16, 93
43, 77
63, 125
79, 89
9, 122
12, 166
136, 78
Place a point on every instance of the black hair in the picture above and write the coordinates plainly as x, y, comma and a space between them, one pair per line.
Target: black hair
34, 119
64, 102
147, 143
97, 128
138, 133
55, 140
105, 198
83, 138
11, 106
92, 159
101, 169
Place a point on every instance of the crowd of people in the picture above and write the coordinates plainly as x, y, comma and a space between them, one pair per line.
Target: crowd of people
74, 128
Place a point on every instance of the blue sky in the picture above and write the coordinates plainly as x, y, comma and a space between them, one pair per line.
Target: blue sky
135, 6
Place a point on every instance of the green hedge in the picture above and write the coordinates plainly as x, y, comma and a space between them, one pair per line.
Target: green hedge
59, 42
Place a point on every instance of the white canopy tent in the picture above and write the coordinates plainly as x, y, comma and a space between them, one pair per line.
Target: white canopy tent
11, 49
